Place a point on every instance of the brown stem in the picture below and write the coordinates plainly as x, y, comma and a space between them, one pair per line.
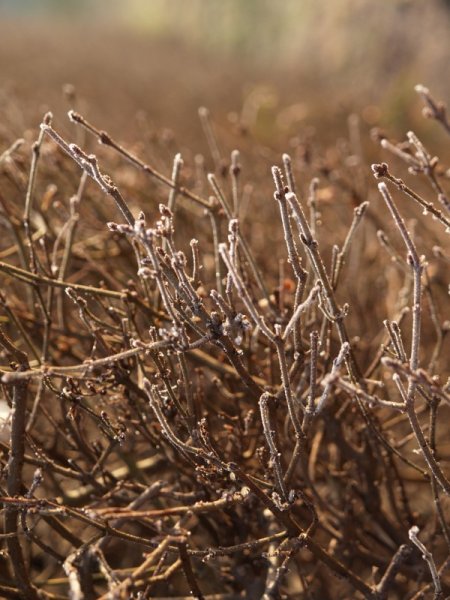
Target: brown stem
14, 480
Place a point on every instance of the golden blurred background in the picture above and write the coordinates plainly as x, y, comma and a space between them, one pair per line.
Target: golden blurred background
298, 61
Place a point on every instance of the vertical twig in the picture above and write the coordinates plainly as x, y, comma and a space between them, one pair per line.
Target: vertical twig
14, 480
428, 557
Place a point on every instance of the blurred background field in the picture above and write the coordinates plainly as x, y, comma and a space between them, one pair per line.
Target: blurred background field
307, 62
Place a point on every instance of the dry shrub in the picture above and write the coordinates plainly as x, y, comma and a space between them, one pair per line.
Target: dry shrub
243, 394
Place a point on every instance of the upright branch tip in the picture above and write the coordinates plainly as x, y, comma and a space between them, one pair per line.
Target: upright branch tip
278, 180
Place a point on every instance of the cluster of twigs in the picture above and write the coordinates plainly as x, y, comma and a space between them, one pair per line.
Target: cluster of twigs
191, 419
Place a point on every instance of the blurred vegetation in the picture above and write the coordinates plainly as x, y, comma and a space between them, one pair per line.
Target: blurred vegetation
315, 61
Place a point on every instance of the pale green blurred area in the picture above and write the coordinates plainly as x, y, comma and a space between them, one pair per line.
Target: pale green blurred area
335, 34
361, 44
344, 54
328, 35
